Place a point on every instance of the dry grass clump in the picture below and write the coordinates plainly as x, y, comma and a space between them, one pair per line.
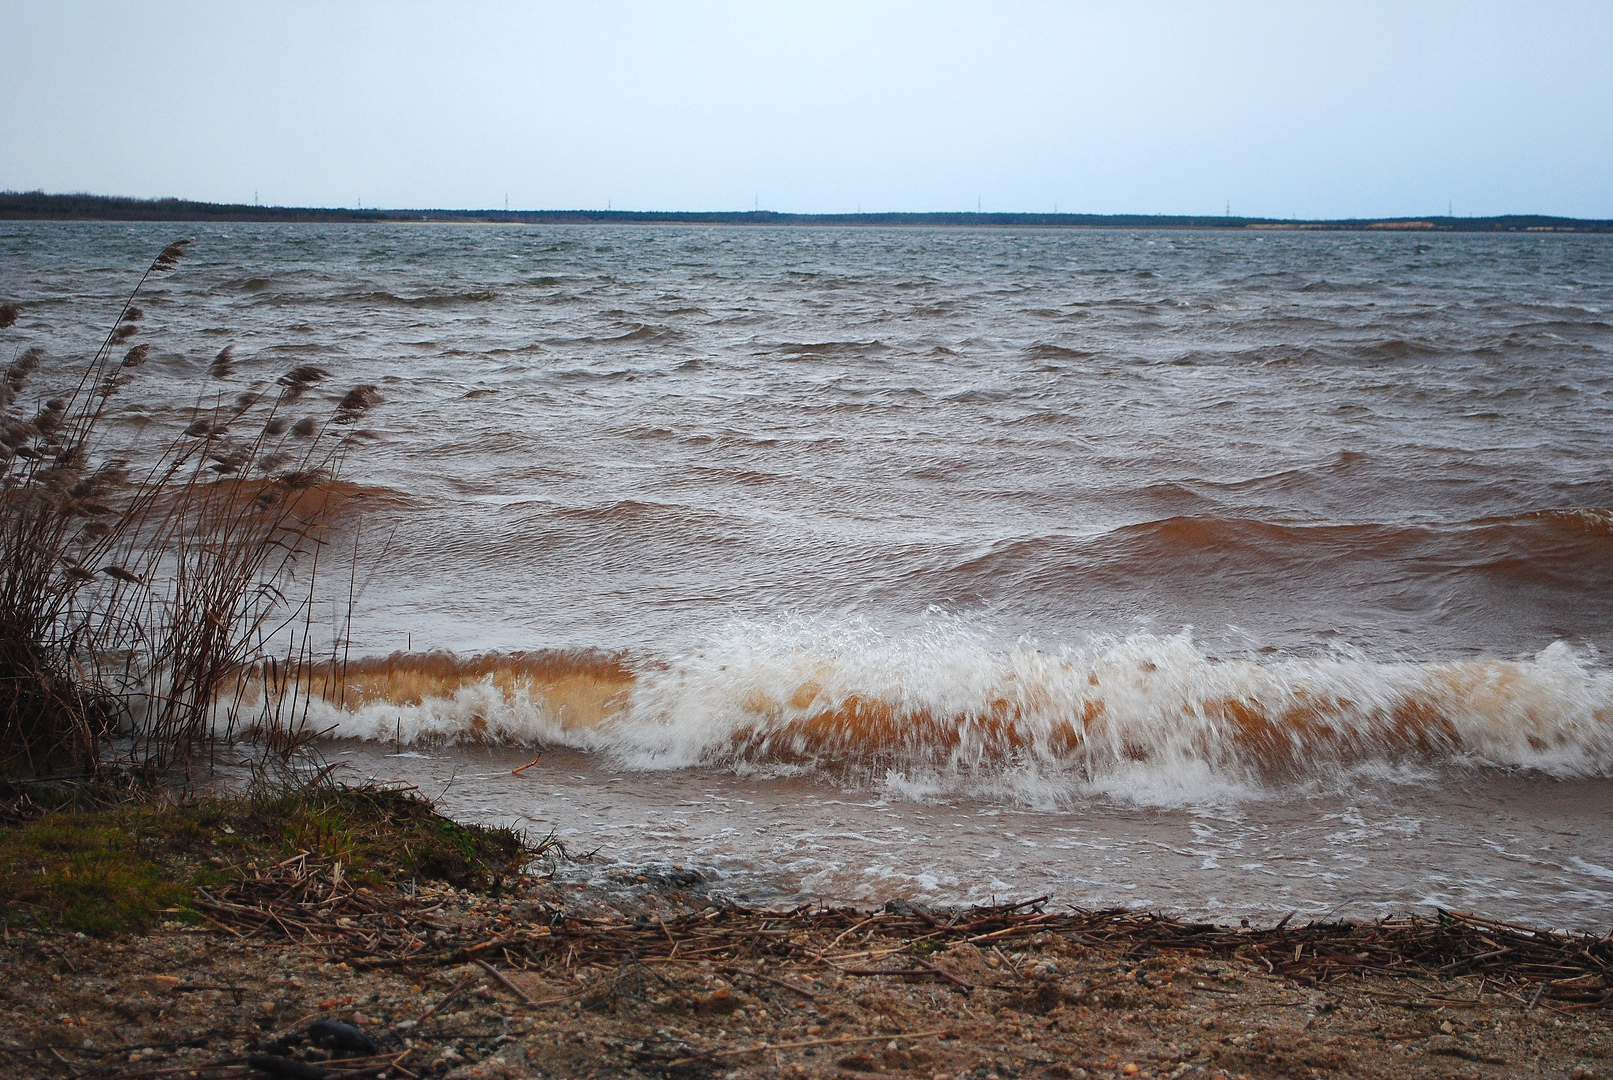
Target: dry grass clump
137, 594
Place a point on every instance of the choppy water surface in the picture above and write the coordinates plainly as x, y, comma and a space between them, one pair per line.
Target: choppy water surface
1224, 573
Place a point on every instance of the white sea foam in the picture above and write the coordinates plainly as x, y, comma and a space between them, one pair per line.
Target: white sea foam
944, 707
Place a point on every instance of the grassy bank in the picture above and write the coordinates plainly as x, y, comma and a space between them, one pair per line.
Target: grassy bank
101, 861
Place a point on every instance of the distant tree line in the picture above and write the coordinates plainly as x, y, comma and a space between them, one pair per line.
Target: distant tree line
39, 206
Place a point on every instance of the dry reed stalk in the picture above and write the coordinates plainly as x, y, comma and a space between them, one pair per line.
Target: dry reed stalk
133, 599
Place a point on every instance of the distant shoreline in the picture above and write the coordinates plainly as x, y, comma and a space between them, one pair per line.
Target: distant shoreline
39, 206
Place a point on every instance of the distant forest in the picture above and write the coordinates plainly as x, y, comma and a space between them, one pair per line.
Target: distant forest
38, 206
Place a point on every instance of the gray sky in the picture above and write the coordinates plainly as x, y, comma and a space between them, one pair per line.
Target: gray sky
1310, 110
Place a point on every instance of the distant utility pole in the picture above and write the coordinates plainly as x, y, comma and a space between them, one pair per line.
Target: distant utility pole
506, 202
1448, 211
1229, 208
254, 196
977, 204
755, 204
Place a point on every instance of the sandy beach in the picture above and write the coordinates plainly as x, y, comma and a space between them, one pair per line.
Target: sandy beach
528, 978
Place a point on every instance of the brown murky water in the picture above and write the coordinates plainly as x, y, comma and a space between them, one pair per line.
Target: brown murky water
1227, 573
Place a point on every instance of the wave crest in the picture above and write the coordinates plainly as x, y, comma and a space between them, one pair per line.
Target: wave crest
944, 704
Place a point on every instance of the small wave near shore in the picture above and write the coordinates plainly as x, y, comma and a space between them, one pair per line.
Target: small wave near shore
1150, 718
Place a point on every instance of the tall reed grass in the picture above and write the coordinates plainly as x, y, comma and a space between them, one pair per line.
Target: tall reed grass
156, 602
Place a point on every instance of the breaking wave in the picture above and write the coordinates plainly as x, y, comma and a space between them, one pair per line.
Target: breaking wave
944, 708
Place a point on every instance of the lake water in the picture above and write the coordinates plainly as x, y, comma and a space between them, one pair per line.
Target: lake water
1226, 573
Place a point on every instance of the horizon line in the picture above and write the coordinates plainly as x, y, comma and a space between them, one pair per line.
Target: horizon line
39, 205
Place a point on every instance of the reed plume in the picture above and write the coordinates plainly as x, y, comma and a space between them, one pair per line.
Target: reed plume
142, 603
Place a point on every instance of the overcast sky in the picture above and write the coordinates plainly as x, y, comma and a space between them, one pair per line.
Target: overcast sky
1282, 110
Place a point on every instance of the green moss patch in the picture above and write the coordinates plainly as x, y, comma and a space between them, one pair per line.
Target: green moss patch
128, 866
91, 876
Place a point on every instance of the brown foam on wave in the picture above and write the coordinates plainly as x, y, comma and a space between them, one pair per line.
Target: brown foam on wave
1286, 718
1137, 713
578, 689
1240, 728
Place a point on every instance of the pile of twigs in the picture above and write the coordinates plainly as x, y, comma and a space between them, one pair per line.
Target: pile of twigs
372, 929
312, 902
